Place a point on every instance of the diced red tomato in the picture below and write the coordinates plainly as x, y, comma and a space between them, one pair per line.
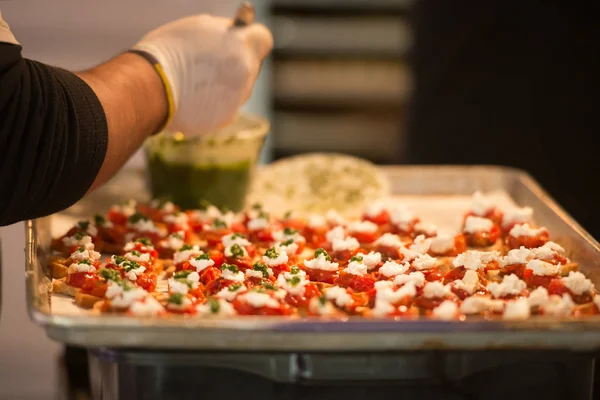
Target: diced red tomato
428, 303
213, 237
263, 236
310, 291
356, 282
113, 235
198, 293
455, 274
315, 237
77, 279
516, 269
242, 263
529, 242
213, 286
366, 237
483, 239
209, 274
217, 257
293, 223
147, 281
389, 253
145, 250
278, 269
534, 281
116, 217
380, 219
344, 256
94, 285
319, 275
557, 287
433, 274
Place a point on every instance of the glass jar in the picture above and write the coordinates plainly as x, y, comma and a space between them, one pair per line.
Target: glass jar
217, 168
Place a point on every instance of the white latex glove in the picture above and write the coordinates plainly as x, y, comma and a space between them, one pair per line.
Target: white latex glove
210, 68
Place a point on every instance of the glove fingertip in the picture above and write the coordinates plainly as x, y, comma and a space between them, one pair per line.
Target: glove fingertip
260, 39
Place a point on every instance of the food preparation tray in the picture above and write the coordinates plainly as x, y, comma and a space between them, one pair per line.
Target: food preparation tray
434, 192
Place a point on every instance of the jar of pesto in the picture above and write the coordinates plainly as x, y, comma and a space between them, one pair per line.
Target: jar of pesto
216, 168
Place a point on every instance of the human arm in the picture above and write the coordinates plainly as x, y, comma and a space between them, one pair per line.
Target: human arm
62, 134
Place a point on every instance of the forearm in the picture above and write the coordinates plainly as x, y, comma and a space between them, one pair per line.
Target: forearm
62, 134
133, 99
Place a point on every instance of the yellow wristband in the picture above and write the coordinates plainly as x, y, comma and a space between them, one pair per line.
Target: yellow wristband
167, 87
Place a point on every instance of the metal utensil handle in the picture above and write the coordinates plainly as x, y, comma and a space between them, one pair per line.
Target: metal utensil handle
244, 15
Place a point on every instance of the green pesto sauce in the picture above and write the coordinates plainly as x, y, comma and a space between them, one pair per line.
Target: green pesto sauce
189, 186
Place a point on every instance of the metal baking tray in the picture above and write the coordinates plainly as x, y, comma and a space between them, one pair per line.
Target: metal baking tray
357, 335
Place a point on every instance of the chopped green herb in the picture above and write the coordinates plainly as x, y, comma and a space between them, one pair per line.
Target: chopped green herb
230, 267
357, 259
287, 215
79, 235
289, 231
86, 262
288, 242
99, 219
219, 224
159, 202
258, 266
257, 206
236, 251
235, 287
271, 253
237, 236
176, 298
145, 241
263, 215
129, 265
295, 270
109, 274
322, 252
81, 249
186, 247
214, 306
203, 256
270, 286
294, 281
322, 300
84, 225
185, 282
203, 205
126, 285
136, 253
119, 260
182, 274
137, 217
177, 236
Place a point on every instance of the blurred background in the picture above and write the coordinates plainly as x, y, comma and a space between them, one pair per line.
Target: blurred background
336, 82
500, 82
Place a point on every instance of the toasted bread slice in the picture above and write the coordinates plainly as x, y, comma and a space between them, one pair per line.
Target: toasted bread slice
498, 246
569, 267
86, 300
445, 264
494, 275
61, 286
170, 271
161, 264
58, 267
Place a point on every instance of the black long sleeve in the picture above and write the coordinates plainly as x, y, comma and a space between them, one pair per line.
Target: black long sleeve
53, 137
